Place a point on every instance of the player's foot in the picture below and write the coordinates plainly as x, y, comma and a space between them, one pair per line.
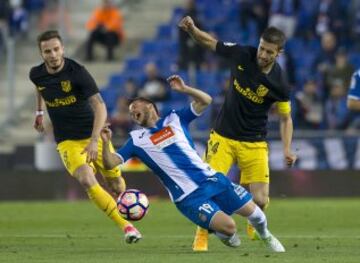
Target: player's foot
233, 241
251, 232
201, 240
132, 235
274, 244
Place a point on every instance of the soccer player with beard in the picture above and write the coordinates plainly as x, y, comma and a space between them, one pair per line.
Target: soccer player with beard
77, 113
203, 195
240, 130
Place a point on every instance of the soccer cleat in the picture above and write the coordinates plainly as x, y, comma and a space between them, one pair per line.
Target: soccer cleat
251, 232
274, 244
201, 240
233, 241
132, 235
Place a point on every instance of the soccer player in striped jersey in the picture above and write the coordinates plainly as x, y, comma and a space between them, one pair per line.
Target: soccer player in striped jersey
201, 194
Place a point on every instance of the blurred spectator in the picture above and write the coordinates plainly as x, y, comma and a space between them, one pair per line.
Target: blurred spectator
331, 17
106, 27
342, 70
189, 51
336, 110
354, 22
18, 20
154, 86
326, 56
309, 107
218, 100
120, 120
53, 14
288, 66
256, 11
130, 89
4, 18
283, 14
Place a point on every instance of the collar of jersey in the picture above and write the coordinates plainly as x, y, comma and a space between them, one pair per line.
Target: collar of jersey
158, 126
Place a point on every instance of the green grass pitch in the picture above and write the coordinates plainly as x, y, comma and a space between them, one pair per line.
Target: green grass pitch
312, 230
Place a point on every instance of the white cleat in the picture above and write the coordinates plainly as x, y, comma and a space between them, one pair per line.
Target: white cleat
274, 244
132, 235
233, 241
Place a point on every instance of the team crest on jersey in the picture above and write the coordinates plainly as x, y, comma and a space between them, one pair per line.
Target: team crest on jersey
66, 85
261, 91
163, 138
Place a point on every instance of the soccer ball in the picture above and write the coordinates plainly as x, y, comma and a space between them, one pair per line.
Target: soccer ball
132, 204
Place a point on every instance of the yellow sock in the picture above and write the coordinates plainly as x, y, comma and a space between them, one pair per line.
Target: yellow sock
106, 203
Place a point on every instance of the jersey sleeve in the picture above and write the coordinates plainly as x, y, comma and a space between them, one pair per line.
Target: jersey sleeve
126, 151
32, 75
231, 50
187, 114
284, 107
86, 83
354, 90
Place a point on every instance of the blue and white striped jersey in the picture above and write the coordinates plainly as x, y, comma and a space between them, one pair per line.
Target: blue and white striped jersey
354, 90
169, 151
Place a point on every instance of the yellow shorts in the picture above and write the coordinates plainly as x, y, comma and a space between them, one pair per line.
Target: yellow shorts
70, 153
251, 158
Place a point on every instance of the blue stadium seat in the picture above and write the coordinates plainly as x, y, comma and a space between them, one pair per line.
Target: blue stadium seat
354, 59
116, 81
110, 96
165, 32
135, 64
209, 82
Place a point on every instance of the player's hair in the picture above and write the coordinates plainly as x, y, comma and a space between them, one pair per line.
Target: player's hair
275, 36
47, 35
142, 99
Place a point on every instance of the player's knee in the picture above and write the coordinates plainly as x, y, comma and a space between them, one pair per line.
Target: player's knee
261, 200
85, 176
117, 185
229, 227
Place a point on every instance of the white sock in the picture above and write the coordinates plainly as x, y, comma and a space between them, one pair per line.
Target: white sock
258, 220
223, 236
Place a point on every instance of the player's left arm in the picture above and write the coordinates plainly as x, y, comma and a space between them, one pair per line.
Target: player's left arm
100, 114
286, 131
201, 100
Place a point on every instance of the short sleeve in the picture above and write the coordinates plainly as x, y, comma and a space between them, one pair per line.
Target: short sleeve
86, 83
187, 114
354, 90
127, 150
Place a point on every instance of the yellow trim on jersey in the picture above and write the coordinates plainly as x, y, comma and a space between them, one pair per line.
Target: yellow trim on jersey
284, 107
70, 153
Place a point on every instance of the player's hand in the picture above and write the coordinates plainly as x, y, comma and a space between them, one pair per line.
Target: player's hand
91, 151
290, 158
187, 24
106, 134
177, 83
38, 124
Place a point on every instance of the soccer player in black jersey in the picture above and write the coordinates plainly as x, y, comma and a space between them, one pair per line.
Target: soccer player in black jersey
240, 129
78, 114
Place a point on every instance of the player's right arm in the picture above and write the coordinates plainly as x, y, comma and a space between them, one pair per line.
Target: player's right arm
201, 100
110, 159
39, 114
201, 37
